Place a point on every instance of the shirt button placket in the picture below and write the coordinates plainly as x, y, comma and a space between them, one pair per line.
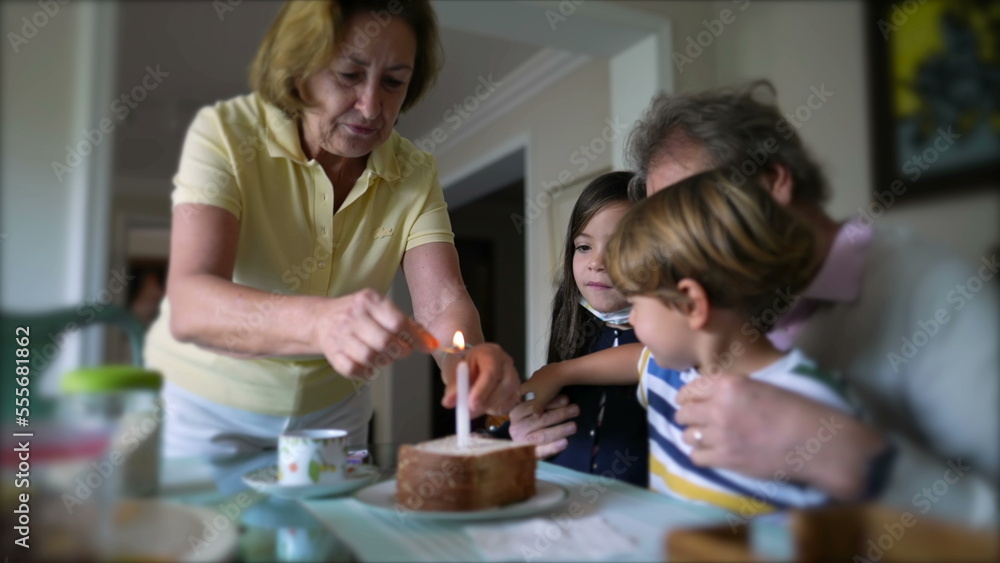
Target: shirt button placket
324, 218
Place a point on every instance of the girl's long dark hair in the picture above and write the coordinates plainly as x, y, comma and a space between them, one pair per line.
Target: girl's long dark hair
573, 328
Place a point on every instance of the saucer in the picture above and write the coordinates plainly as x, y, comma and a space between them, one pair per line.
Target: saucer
265, 480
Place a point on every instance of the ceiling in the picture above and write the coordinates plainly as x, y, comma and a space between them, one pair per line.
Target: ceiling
467, 57
207, 55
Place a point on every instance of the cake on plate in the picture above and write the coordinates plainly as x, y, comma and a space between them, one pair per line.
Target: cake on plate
440, 475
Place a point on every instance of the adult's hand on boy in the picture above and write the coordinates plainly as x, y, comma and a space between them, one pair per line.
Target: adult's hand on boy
548, 430
758, 429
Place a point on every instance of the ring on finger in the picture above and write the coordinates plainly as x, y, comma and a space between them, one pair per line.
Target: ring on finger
699, 437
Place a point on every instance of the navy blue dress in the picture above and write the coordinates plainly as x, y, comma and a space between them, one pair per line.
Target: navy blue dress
619, 446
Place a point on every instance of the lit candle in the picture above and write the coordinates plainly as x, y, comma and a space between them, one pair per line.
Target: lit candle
462, 405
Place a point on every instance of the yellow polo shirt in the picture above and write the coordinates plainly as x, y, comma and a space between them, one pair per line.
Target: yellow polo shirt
244, 155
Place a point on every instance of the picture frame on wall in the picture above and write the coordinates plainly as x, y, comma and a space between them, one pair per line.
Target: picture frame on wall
934, 69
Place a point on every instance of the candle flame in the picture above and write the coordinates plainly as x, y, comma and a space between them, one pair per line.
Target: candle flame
459, 340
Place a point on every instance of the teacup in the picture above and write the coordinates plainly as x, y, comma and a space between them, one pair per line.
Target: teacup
312, 457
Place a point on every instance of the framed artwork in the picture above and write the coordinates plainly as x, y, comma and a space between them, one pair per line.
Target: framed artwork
934, 69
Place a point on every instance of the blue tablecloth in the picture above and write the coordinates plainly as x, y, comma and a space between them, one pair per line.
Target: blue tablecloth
378, 535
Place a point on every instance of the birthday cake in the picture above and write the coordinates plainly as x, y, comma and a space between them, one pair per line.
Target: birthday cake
441, 475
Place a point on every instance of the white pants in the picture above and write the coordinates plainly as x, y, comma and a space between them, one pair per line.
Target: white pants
195, 426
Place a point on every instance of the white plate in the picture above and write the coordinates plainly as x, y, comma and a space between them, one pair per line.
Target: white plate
265, 480
153, 530
382, 496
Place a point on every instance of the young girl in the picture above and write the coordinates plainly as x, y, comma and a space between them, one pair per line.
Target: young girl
700, 262
589, 315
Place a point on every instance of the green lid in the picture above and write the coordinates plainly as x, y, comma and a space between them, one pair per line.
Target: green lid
110, 378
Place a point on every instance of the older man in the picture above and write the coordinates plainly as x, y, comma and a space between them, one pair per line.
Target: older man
912, 326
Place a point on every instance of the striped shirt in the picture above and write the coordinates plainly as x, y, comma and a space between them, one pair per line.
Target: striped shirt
671, 470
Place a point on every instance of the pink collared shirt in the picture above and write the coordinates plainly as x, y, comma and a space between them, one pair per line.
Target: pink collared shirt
839, 280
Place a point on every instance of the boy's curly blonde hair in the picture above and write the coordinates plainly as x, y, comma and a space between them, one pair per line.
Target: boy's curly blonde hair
736, 241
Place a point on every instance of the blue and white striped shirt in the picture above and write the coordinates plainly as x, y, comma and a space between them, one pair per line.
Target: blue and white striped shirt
671, 470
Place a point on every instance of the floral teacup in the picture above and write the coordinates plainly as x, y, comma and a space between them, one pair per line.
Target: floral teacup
312, 457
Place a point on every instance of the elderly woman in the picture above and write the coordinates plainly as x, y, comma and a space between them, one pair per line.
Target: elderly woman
294, 208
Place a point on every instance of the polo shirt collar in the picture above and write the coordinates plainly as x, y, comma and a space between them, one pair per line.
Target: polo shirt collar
383, 162
283, 142
282, 135
841, 275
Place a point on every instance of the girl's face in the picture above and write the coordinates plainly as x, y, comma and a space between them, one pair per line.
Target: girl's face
590, 251
358, 96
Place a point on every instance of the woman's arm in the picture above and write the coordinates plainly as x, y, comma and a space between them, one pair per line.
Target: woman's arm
442, 304
613, 366
211, 311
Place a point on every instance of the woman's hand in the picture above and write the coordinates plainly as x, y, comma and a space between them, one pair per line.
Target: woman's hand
548, 431
493, 380
766, 432
364, 331
545, 384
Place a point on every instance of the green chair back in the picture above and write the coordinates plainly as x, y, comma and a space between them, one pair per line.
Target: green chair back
43, 334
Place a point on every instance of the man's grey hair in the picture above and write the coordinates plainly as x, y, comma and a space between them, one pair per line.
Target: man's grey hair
733, 125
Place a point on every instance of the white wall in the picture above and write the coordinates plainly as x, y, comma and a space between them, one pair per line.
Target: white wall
37, 113
968, 223
57, 75
799, 45
686, 20
555, 124
803, 44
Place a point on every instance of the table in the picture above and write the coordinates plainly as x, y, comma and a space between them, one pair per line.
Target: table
364, 534
644, 515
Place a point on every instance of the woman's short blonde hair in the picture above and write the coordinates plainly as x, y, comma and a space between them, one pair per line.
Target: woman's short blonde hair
303, 39
736, 241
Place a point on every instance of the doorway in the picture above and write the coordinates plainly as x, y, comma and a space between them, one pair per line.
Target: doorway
491, 254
